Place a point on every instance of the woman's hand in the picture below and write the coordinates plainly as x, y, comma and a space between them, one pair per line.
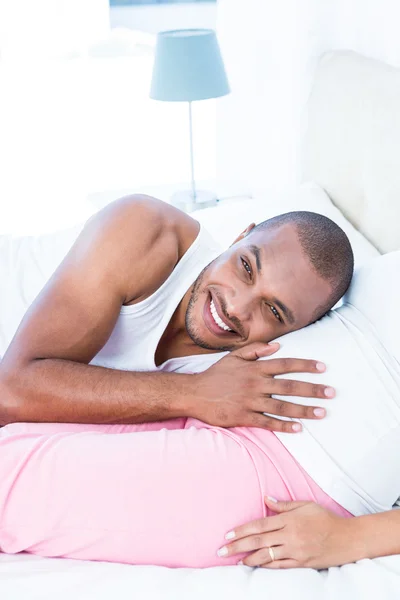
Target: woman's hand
302, 534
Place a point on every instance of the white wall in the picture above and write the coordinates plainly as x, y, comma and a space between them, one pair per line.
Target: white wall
271, 49
162, 17
44, 103
44, 28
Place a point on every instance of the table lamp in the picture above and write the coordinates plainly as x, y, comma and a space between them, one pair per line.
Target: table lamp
188, 66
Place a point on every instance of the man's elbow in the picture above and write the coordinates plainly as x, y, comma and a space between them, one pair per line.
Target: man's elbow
11, 406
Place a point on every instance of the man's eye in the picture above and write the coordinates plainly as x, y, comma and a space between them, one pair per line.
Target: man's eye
275, 312
247, 267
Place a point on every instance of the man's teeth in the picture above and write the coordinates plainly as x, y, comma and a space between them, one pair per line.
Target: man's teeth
217, 318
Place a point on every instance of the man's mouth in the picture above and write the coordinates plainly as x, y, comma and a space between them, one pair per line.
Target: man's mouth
214, 322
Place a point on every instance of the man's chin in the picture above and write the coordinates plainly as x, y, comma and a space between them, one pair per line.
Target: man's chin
213, 347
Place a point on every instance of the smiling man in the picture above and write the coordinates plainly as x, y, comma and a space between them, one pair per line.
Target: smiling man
285, 262
143, 289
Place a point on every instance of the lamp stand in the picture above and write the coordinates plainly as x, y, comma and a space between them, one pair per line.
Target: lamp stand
195, 199
191, 151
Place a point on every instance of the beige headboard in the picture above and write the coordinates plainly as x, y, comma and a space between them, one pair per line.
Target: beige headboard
352, 144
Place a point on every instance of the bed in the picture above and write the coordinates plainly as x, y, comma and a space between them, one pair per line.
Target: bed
352, 159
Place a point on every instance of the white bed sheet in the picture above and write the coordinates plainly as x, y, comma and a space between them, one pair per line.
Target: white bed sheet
28, 577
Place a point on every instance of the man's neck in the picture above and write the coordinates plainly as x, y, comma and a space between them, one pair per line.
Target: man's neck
175, 341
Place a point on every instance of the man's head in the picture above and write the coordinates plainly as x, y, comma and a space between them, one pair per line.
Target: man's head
278, 276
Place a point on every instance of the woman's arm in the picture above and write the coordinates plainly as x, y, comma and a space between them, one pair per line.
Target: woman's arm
379, 534
304, 534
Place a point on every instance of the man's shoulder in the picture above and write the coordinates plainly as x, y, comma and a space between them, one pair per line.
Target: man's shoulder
151, 235
150, 217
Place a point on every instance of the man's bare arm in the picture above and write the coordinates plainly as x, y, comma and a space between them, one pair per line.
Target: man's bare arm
57, 390
45, 375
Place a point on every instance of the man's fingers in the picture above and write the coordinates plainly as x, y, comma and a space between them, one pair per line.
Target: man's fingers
281, 366
267, 422
292, 387
256, 350
282, 408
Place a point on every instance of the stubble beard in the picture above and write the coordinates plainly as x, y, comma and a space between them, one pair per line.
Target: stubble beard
190, 321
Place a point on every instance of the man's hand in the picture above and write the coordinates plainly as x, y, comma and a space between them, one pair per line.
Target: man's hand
237, 390
303, 534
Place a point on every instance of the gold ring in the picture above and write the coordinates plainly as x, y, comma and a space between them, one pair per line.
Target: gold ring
271, 553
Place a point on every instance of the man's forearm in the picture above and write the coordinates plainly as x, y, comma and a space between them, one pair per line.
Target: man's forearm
55, 390
376, 535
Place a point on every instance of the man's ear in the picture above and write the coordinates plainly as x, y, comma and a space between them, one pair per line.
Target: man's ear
244, 233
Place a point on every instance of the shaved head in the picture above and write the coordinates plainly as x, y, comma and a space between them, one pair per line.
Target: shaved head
326, 246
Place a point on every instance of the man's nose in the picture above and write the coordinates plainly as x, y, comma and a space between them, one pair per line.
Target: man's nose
237, 308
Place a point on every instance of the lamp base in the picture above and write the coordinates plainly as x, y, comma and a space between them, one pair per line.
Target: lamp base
185, 201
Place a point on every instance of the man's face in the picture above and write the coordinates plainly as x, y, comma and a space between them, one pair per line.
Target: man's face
262, 287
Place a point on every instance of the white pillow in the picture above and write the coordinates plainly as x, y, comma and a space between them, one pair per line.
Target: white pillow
227, 220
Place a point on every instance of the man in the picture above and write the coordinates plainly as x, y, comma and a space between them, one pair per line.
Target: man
67, 361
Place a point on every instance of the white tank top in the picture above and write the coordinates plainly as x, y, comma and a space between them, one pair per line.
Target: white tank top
135, 337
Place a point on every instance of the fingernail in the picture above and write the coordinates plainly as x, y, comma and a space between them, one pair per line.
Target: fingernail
240, 562
272, 499
273, 344
222, 551
329, 392
296, 427
320, 366
319, 412
230, 535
